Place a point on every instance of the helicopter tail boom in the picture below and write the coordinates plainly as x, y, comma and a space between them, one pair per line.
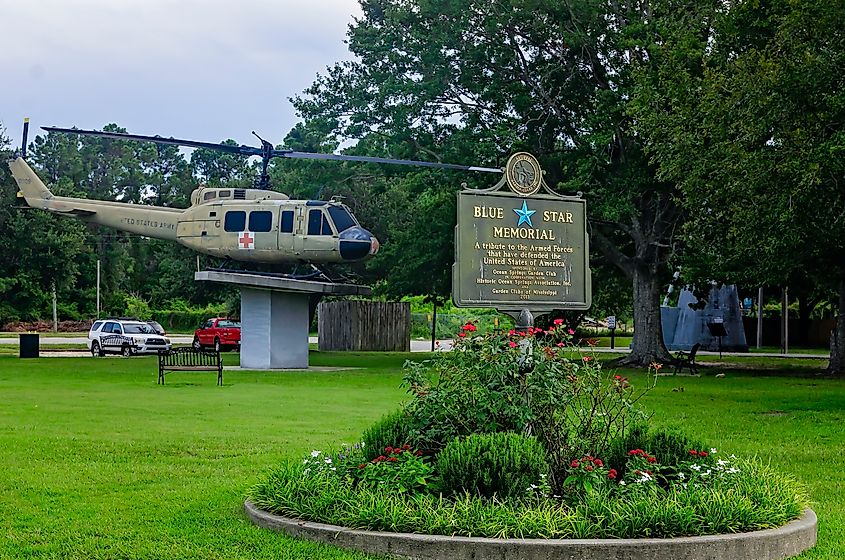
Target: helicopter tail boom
33, 190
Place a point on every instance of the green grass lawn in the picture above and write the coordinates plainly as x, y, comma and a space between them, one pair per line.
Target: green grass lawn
98, 461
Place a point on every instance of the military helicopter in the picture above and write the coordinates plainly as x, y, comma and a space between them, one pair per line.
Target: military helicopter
254, 225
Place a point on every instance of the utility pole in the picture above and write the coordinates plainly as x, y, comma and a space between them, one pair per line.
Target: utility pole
98, 288
55, 314
784, 325
760, 317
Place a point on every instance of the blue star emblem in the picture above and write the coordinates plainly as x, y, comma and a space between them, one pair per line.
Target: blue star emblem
524, 215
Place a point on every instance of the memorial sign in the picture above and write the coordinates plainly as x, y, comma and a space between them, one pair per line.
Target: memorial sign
521, 250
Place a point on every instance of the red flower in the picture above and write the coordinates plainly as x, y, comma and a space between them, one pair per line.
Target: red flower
418, 453
362, 465
558, 321
571, 331
406, 447
589, 468
702, 454
617, 377
574, 463
587, 358
512, 344
388, 449
611, 474
391, 459
511, 332
598, 463
462, 334
379, 459
560, 344
693, 452
469, 327
652, 460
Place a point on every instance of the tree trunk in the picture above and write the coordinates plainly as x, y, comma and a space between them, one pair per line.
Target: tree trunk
648, 345
837, 336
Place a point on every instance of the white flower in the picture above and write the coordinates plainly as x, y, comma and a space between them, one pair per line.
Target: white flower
695, 467
315, 453
305, 461
327, 460
713, 451
622, 483
681, 476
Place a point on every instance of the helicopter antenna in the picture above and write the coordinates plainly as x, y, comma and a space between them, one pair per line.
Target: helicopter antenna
266, 152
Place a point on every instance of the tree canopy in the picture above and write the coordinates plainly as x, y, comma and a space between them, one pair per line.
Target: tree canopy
745, 113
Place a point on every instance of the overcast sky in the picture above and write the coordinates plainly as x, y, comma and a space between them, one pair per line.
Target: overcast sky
196, 69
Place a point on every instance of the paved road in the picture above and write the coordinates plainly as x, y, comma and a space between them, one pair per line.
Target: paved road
416, 346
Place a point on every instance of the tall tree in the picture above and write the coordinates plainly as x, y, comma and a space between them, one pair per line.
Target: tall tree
744, 108
471, 80
38, 252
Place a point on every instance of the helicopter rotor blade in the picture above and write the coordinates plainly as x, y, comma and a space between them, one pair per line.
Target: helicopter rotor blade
239, 150
367, 159
266, 154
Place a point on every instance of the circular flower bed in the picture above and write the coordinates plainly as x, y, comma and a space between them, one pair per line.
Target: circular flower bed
509, 436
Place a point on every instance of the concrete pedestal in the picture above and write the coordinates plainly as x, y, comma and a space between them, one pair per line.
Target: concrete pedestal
274, 316
274, 329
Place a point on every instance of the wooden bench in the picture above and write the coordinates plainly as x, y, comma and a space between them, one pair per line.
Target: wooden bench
189, 359
687, 360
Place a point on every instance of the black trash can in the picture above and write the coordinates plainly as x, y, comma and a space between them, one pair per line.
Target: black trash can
29, 345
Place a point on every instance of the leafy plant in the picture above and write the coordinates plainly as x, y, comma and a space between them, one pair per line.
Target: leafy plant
642, 469
587, 474
757, 497
390, 430
520, 382
398, 469
668, 446
500, 464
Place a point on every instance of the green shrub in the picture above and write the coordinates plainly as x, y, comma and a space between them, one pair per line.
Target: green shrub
180, 315
668, 446
757, 497
573, 406
502, 464
391, 430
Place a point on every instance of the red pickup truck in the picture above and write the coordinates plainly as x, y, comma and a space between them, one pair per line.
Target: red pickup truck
219, 333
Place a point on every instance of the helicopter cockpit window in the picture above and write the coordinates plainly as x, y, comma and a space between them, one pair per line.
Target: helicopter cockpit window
209, 195
342, 219
235, 221
287, 222
260, 221
318, 224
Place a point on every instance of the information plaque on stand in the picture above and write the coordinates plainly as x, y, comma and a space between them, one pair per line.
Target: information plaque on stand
521, 250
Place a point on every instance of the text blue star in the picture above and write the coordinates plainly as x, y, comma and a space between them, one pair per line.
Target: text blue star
524, 215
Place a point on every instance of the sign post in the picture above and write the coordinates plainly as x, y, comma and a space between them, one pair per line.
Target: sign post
520, 252
611, 324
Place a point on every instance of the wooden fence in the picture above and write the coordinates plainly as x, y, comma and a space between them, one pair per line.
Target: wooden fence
364, 326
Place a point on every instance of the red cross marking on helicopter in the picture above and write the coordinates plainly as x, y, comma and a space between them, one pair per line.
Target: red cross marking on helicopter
246, 240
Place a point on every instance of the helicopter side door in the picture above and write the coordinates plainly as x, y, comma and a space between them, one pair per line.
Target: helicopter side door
289, 231
319, 240
249, 232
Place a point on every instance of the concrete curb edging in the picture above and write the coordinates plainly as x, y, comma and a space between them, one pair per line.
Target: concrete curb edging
770, 544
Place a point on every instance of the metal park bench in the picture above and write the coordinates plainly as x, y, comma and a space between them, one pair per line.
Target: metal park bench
687, 360
189, 359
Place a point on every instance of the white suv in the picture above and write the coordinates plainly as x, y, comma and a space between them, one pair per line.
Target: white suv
127, 337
